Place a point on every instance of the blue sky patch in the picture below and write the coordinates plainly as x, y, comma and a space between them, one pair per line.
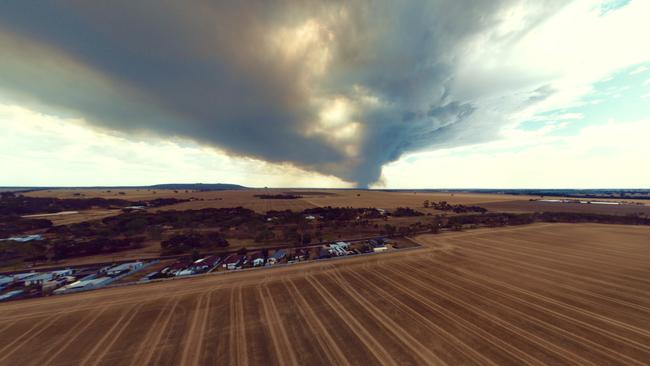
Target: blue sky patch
624, 96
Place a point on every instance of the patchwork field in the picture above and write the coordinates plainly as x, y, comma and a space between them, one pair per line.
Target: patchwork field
539, 294
310, 198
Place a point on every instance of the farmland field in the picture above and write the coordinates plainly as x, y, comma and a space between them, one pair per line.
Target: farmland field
325, 197
538, 294
540, 206
309, 198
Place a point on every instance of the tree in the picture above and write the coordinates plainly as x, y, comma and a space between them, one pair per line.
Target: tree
389, 229
264, 235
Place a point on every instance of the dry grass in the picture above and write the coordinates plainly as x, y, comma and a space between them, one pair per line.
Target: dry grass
81, 216
311, 198
541, 294
538, 206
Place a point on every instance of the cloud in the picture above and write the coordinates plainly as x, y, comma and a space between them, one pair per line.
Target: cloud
38, 150
598, 156
639, 70
339, 87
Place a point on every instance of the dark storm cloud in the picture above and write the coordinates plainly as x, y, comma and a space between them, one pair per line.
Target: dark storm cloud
207, 71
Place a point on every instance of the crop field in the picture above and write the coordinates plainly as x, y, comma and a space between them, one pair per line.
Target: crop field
533, 295
74, 217
540, 206
310, 198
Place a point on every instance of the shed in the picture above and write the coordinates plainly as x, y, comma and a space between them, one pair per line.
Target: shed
233, 261
38, 279
277, 256
124, 268
258, 259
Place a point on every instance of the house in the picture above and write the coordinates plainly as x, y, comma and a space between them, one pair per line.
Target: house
206, 264
258, 259
310, 217
38, 279
277, 256
301, 254
198, 266
377, 245
62, 273
186, 272
150, 276
124, 268
233, 261
339, 248
174, 268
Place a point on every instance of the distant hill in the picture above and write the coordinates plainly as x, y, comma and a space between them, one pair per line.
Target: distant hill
198, 186
175, 186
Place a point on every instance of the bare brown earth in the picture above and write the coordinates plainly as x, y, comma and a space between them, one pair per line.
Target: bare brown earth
534, 295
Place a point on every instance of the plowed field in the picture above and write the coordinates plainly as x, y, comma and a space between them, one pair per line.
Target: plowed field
540, 294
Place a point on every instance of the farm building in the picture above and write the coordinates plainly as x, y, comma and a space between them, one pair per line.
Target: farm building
38, 279
186, 272
300, 255
258, 259
62, 273
201, 265
339, 249
150, 276
234, 261
377, 245
206, 264
174, 268
124, 268
277, 256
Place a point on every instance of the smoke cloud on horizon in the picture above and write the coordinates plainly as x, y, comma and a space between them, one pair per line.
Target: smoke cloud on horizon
340, 88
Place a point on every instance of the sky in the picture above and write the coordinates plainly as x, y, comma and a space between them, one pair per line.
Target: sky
357, 93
